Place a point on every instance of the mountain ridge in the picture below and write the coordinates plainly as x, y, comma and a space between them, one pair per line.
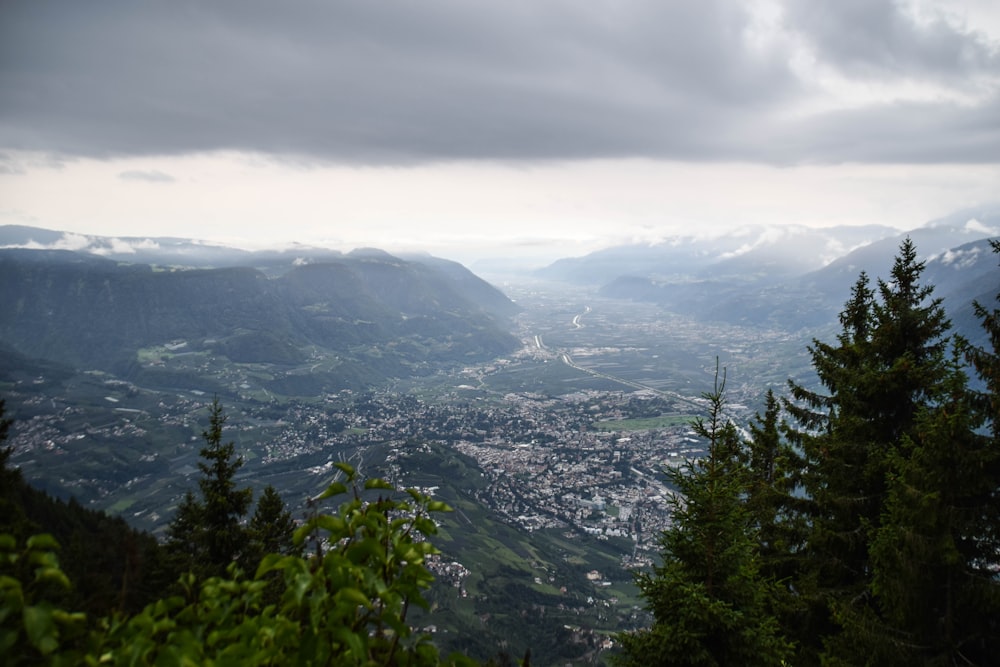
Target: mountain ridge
88, 311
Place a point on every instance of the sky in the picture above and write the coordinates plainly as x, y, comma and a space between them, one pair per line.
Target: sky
530, 128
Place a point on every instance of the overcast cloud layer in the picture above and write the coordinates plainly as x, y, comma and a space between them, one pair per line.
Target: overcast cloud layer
370, 82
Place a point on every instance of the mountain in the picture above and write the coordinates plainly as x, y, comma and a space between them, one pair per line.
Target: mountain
752, 253
164, 251
367, 316
931, 240
772, 278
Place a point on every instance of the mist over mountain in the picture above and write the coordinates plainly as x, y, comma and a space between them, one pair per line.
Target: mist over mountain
750, 253
91, 301
379, 316
793, 277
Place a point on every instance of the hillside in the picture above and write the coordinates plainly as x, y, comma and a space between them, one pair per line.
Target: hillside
356, 319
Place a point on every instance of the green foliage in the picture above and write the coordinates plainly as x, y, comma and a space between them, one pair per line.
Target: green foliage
887, 367
710, 603
868, 531
32, 628
271, 529
344, 605
207, 534
901, 486
113, 566
934, 554
10, 480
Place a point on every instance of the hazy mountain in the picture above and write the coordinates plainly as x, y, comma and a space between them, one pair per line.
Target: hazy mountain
758, 286
931, 240
379, 315
165, 251
752, 253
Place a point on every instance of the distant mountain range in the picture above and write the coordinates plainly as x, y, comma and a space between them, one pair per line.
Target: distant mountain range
92, 302
793, 277
367, 315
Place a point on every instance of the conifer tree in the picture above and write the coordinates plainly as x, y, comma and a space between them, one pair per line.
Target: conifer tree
272, 526
12, 518
887, 368
773, 467
209, 530
936, 552
710, 604
986, 363
831, 440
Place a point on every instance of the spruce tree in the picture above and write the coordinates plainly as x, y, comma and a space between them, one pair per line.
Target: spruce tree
271, 528
772, 476
936, 552
986, 363
12, 516
209, 530
710, 604
887, 367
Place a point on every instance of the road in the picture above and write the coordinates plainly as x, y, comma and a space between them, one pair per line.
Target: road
568, 360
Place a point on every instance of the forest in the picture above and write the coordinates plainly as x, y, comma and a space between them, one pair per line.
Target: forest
859, 523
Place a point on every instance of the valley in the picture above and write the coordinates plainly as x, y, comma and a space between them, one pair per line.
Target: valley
543, 412
551, 455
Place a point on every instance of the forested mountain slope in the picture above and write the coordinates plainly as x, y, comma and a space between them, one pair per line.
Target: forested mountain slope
94, 313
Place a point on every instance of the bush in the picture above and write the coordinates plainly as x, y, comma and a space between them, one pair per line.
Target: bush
345, 604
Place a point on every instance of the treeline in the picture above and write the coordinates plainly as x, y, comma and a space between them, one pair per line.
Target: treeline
117, 569
113, 566
859, 524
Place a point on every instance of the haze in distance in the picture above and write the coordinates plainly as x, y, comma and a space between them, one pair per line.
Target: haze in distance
537, 130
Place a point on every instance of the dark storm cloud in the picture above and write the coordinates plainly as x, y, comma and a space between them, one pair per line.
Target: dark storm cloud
364, 81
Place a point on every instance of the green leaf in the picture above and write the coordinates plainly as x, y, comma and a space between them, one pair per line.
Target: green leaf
334, 489
299, 587
333, 524
301, 533
438, 506
43, 541
345, 468
425, 525
270, 562
354, 596
52, 575
378, 483
351, 641
41, 628
8, 638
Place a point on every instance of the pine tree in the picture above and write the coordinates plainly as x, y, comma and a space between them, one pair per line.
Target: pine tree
933, 557
834, 451
271, 527
773, 467
710, 604
887, 368
12, 516
986, 363
209, 530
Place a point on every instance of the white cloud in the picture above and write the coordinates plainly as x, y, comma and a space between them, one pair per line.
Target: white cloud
974, 225
149, 176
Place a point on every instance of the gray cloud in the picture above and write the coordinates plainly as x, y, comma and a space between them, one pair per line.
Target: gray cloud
363, 81
877, 38
150, 176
